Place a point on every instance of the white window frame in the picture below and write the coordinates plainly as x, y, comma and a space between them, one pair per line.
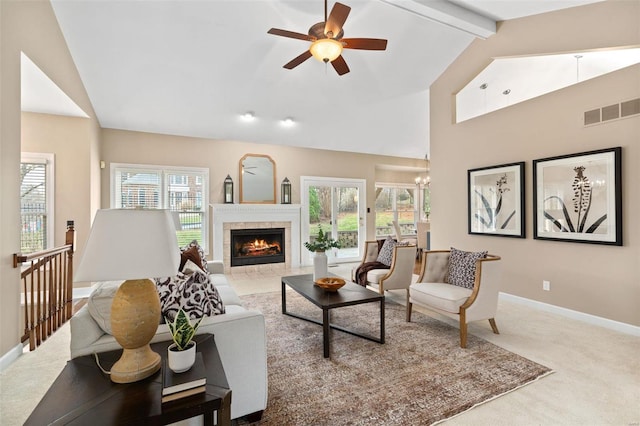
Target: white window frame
163, 200
394, 186
48, 159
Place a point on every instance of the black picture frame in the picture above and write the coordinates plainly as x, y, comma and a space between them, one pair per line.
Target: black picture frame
496, 200
578, 197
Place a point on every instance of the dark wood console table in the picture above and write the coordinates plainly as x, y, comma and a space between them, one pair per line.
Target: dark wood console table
83, 395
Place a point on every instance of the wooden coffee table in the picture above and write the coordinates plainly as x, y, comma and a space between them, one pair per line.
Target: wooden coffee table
350, 294
83, 395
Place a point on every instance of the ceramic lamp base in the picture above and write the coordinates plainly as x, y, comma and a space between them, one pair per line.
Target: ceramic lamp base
135, 315
135, 364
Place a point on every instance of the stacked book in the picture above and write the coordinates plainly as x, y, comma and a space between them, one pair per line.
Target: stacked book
180, 385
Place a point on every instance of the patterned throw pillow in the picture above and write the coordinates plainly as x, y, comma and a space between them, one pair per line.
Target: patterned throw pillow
189, 250
462, 267
386, 252
192, 292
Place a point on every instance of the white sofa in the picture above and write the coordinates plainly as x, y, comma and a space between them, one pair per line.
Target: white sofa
239, 334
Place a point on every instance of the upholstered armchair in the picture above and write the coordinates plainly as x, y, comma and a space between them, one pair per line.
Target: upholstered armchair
434, 289
400, 273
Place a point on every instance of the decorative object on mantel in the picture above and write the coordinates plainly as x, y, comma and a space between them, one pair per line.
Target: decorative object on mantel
285, 191
181, 354
118, 236
320, 245
228, 190
330, 283
257, 179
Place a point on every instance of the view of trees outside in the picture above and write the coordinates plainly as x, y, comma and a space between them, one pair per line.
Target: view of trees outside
392, 202
347, 218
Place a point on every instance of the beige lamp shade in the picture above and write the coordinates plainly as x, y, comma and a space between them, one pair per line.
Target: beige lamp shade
132, 245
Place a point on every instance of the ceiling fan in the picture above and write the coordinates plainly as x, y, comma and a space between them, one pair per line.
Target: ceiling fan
327, 42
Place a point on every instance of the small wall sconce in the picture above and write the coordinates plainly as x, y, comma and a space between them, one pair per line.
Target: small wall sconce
285, 191
228, 190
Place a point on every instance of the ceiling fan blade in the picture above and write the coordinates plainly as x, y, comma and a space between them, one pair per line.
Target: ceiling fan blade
291, 34
298, 60
336, 19
364, 43
340, 65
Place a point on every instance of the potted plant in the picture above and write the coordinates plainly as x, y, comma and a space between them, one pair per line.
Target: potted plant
182, 352
320, 245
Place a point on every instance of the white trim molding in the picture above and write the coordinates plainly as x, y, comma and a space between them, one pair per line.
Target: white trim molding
8, 358
576, 315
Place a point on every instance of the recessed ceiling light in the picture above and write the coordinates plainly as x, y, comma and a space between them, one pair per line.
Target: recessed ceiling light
288, 122
248, 116
506, 92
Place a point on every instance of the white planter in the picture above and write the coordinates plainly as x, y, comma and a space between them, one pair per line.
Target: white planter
320, 265
181, 361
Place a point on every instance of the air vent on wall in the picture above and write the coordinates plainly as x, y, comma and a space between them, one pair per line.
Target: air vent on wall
612, 112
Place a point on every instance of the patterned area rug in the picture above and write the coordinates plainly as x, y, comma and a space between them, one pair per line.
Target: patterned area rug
419, 376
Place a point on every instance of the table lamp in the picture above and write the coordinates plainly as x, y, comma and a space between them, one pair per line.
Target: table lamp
132, 245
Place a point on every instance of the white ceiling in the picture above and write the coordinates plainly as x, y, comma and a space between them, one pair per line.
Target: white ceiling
192, 67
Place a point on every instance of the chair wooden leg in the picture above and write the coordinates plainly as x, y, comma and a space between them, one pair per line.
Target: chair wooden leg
463, 329
409, 306
494, 327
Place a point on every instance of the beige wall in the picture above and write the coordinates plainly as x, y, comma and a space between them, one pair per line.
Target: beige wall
30, 27
222, 158
595, 279
67, 138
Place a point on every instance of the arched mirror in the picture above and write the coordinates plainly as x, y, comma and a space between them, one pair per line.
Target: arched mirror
257, 179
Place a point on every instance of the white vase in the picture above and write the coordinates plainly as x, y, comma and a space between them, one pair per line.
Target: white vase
319, 265
181, 361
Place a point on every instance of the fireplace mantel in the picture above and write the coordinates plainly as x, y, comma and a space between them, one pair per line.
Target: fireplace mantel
255, 213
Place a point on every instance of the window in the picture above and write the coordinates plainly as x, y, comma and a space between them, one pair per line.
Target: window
395, 202
36, 202
180, 189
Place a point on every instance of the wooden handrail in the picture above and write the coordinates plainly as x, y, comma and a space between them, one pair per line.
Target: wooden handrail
47, 287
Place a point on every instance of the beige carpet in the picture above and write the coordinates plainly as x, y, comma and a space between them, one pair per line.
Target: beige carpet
419, 376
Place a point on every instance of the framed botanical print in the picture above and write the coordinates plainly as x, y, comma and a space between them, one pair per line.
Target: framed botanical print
578, 197
496, 200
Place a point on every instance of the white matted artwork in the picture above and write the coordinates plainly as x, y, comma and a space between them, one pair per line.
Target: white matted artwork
496, 200
578, 197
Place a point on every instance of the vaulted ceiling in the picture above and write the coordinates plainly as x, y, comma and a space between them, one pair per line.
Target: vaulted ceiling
194, 67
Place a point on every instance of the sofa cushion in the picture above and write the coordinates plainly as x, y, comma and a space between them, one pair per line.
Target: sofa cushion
442, 296
99, 303
385, 256
462, 267
375, 275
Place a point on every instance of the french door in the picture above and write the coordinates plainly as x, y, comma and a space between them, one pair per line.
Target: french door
338, 207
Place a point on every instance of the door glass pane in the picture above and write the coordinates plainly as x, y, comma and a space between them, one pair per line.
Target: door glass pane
347, 221
384, 211
319, 211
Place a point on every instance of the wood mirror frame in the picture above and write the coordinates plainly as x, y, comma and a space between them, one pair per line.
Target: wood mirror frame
257, 179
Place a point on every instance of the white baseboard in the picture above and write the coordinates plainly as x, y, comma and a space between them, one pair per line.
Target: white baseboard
580, 316
8, 358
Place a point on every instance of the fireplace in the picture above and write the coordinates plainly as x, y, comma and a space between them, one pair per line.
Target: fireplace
257, 246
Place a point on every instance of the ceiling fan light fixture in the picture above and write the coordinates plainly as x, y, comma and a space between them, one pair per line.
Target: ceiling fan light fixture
326, 49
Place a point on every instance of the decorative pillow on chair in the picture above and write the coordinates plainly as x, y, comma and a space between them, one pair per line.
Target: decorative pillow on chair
462, 267
385, 255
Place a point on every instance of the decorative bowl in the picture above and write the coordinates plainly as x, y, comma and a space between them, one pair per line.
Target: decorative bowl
330, 283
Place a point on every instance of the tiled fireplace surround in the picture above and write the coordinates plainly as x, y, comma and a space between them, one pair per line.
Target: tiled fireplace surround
248, 216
